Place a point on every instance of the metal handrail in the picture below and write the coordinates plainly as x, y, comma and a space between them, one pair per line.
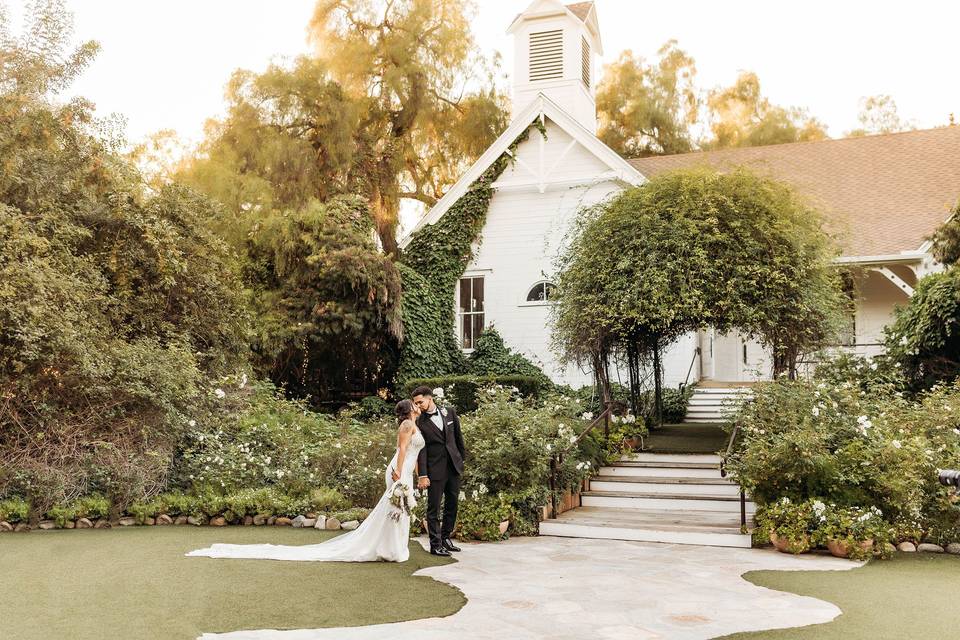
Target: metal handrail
696, 352
723, 473
557, 458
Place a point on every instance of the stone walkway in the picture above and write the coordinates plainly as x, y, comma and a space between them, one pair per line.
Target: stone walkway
570, 589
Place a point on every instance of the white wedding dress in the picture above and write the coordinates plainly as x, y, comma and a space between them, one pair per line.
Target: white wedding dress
378, 538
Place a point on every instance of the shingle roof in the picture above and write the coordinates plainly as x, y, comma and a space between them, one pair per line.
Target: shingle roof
883, 194
580, 9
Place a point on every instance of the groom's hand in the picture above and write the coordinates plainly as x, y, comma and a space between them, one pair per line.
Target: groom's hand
395, 475
423, 482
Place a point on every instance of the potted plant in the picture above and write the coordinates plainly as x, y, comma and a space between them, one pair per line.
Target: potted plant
849, 532
788, 525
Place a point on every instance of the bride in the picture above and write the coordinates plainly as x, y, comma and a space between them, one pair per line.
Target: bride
384, 535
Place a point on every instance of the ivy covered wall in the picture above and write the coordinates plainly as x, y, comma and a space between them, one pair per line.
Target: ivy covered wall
430, 268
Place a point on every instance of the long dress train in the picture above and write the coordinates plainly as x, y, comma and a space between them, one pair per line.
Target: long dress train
378, 538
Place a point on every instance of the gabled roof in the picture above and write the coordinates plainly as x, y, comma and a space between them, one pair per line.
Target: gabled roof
580, 9
585, 12
544, 107
883, 194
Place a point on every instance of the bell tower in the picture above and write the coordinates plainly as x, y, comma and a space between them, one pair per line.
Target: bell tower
556, 47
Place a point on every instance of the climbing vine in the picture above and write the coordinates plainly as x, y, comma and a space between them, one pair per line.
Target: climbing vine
431, 267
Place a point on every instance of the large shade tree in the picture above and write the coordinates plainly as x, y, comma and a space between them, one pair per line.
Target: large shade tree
116, 301
392, 105
693, 249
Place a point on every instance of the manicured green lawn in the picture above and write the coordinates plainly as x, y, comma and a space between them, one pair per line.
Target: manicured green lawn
136, 583
911, 597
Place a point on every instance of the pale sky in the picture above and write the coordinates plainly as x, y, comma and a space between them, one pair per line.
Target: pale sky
164, 64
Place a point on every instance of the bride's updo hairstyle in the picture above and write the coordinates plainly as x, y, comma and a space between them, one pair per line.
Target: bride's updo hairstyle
404, 409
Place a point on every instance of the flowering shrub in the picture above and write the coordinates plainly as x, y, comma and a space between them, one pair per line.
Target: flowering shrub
799, 526
855, 442
260, 439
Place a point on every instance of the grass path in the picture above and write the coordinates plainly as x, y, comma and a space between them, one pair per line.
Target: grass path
136, 583
911, 596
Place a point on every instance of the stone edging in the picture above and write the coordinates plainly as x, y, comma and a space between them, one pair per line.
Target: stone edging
316, 521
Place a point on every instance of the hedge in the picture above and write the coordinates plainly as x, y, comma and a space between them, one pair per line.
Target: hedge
461, 391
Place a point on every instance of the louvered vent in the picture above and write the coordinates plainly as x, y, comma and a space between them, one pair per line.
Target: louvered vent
546, 55
585, 62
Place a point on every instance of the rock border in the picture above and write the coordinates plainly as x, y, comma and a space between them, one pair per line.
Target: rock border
305, 521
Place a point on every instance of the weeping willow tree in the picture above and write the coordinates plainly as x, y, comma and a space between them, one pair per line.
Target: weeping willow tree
693, 249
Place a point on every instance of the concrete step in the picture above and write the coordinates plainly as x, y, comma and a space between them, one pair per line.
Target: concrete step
664, 501
662, 470
669, 486
658, 458
693, 527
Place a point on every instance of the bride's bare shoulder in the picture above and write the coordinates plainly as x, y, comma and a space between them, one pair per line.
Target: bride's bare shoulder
407, 425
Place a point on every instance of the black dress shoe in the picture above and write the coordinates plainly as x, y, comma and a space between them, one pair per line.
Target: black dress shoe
449, 546
440, 551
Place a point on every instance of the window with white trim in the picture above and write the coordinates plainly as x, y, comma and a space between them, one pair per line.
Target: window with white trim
470, 313
541, 292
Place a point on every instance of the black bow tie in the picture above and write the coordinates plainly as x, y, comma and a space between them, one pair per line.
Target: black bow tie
432, 414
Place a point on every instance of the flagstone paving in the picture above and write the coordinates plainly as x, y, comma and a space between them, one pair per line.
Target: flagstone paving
566, 589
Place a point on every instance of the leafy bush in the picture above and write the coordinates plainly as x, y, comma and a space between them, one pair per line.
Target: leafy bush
491, 357
117, 300
14, 510
924, 340
260, 439
852, 445
462, 391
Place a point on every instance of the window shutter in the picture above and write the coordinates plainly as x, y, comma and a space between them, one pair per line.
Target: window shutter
585, 62
546, 55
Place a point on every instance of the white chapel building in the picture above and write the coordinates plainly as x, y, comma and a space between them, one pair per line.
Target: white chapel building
884, 195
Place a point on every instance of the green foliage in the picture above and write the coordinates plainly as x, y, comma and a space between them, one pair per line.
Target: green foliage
431, 266
327, 301
116, 300
924, 339
739, 116
851, 445
253, 438
378, 110
491, 357
463, 391
510, 443
479, 518
695, 248
14, 510
648, 109
369, 409
946, 240
811, 523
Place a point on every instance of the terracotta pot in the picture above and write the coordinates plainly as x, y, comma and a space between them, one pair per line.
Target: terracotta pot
633, 442
783, 545
503, 526
841, 549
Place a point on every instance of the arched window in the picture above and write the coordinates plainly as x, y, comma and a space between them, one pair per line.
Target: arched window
541, 292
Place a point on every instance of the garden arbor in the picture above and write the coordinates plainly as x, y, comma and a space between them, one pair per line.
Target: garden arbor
693, 249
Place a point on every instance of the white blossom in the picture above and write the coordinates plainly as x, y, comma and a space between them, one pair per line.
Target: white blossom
220, 393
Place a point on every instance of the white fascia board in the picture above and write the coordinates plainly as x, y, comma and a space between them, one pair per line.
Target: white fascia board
541, 106
883, 259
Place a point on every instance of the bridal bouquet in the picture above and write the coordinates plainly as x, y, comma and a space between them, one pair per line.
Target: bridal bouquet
402, 500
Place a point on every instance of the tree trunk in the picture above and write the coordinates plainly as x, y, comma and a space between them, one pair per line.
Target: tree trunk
658, 383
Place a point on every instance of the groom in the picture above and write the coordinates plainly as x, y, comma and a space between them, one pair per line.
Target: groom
440, 466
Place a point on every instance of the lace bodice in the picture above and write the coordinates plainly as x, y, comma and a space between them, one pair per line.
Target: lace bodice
410, 459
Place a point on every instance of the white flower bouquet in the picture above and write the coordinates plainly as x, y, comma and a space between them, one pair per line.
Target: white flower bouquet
402, 500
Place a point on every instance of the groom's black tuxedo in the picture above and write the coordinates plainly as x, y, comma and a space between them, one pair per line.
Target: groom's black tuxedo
441, 460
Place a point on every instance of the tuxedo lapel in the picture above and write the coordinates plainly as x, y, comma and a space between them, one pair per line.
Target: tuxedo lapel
427, 423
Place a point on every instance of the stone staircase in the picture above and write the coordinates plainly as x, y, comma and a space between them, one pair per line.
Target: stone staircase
715, 404
658, 497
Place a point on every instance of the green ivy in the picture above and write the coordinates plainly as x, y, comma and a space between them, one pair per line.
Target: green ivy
431, 267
